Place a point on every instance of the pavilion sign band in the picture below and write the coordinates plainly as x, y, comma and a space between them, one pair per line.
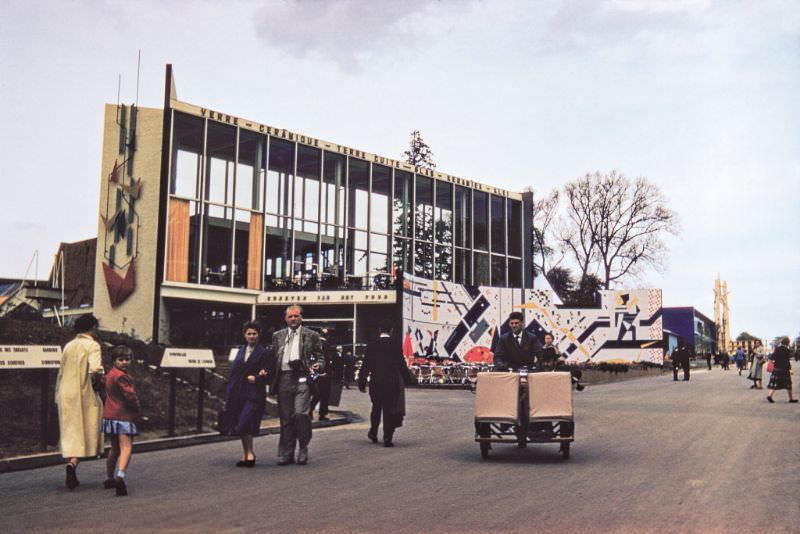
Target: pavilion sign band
282, 133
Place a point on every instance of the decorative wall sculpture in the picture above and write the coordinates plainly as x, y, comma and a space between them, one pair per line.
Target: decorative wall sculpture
463, 323
121, 220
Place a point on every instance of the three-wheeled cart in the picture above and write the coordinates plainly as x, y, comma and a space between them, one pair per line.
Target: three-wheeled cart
520, 408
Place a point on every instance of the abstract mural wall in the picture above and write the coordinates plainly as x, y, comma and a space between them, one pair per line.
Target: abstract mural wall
464, 322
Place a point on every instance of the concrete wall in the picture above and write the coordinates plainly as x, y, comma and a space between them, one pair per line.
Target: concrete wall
134, 316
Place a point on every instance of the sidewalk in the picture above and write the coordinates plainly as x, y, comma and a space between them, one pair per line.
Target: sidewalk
269, 426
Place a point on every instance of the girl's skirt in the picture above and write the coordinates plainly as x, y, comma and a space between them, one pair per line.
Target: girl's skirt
114, 427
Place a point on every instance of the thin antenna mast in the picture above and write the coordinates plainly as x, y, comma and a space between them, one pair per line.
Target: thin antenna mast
138, 66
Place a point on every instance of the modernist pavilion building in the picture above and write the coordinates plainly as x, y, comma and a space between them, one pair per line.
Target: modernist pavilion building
208, 220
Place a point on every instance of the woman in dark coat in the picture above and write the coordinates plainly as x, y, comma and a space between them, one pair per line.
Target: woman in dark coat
782, 371
246, 396
385, 366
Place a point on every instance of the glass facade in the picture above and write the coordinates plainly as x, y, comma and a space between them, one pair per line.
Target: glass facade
255, 211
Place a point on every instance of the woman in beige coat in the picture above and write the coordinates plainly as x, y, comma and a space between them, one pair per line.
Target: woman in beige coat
79, 406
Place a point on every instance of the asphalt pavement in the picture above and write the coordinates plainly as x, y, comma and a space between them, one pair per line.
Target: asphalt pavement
708, 455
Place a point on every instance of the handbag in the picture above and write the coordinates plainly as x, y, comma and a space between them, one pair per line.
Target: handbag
770, 366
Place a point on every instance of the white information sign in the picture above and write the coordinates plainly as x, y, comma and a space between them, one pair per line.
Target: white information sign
30, 356
233, 353
188, 358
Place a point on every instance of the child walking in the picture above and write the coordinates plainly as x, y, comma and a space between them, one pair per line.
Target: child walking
119, 412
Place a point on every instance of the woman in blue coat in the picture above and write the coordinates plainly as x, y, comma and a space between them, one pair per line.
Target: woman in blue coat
246, 396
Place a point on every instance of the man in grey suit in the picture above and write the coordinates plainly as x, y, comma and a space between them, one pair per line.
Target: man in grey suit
299, 353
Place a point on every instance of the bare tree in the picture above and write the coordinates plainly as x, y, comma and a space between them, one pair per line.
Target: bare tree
545, 216
576, 232
615, 226
419, 153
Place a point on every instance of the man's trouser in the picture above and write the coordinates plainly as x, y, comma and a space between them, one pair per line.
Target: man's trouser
294, 408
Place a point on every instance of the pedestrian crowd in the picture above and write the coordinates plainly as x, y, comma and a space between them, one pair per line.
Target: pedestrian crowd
778, 365
302, 371
300, 367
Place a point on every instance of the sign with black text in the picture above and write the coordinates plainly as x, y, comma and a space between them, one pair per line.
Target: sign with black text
30, 356
188, 358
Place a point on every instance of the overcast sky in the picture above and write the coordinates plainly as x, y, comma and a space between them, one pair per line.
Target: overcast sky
699, 96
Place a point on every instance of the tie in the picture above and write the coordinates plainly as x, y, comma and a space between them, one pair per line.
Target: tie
287, 350
519, 341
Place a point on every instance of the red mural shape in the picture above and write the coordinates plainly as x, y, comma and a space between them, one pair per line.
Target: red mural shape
119, 289
479, 355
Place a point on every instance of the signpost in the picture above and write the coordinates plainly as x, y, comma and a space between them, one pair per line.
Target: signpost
41, 358
177, 358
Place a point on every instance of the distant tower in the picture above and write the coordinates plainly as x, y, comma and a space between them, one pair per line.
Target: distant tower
718, 315
722, 315
726, 321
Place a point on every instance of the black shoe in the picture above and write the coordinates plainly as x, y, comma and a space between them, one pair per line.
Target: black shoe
324, 418
72, 478
109, 484
793, 400
372, 437
286, 461
246, 463
122, 489
770, 399
580, 387
388, 444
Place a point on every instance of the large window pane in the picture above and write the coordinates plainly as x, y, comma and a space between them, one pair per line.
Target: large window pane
463, 266
463, 228
444, 263
358, 200
276, 264
332, 261
423, 209
379, 199
401, 215
480, 221
444, 213
241, 248
357, 255
498, 225
280, 180
220, 150
217, 246
305, 260
333, 200
498, 271
402, 255
515, 236
481, 274
514, 273
379, 254
249, 170
187, 148
423, 259
308, 172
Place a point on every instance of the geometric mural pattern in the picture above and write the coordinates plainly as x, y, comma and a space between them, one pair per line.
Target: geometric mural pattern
464, 323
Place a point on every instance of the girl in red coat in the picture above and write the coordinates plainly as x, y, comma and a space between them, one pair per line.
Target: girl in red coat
119, 412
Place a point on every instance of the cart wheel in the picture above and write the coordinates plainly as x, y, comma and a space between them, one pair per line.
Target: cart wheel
485, 450
564, 450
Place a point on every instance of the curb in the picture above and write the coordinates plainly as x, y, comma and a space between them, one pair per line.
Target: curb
35, 461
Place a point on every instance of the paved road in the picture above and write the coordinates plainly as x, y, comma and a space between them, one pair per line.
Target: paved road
709, 455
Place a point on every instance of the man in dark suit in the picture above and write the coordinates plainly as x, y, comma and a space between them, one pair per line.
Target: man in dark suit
516, 349
322, 391
385, 366
680, 360
299, 353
